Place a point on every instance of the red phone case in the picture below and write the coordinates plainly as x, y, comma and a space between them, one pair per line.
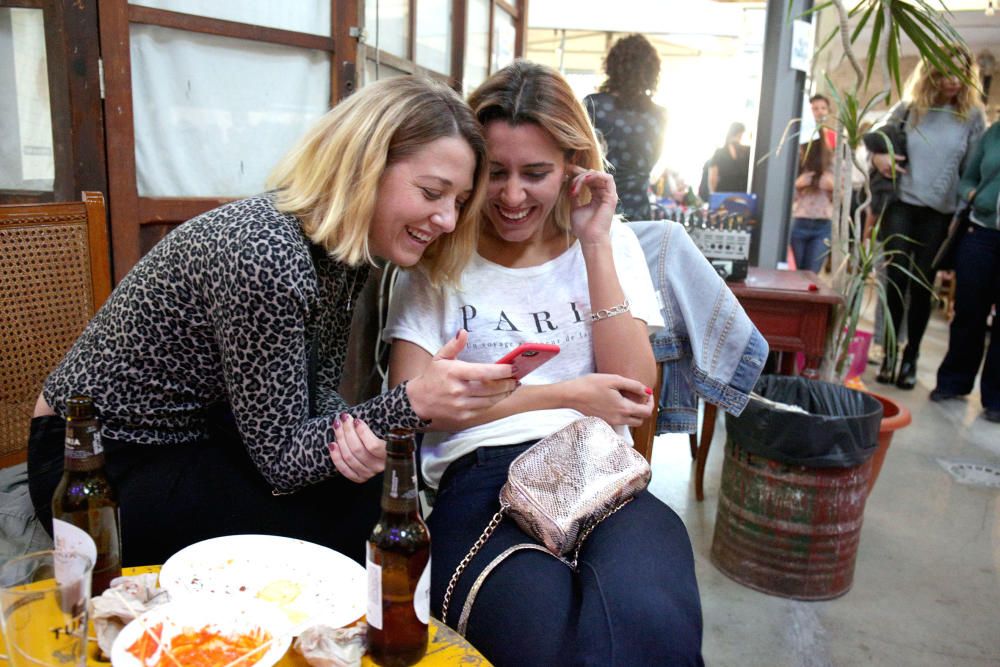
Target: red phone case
528, 356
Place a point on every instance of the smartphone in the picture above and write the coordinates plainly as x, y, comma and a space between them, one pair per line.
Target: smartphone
526, 357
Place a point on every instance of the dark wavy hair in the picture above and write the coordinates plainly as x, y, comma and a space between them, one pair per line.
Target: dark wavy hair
633, 68
816, 157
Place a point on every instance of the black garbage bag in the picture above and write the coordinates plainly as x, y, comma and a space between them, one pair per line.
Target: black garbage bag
839, 431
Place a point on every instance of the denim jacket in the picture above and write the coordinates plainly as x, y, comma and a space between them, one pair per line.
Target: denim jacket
708, 346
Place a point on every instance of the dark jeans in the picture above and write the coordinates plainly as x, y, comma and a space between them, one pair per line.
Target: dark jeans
977, 289
810, 242
174, 495
634, 600
925, 230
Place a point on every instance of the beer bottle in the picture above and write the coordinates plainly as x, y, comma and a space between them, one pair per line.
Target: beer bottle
399, 563
85, 515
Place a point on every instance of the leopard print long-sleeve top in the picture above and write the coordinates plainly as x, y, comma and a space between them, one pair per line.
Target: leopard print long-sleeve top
226, 309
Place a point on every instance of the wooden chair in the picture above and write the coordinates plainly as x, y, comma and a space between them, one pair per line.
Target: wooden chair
54, 275
642, 436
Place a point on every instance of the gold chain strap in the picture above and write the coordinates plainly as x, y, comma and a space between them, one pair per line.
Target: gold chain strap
490, 527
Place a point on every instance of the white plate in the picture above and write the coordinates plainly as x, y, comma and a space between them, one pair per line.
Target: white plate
218, 614
308, 582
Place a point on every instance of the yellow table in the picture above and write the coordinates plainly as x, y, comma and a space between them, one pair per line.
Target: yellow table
446, 646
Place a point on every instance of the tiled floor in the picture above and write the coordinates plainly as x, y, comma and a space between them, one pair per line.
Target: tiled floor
927, 580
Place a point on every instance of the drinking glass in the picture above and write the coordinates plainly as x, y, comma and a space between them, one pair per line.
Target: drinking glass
43, 607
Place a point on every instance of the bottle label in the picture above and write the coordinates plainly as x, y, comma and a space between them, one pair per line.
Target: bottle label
68, 538
73, 448
374, 615
422, 596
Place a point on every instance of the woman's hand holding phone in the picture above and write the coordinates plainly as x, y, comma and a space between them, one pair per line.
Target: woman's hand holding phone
449, 391
526, 357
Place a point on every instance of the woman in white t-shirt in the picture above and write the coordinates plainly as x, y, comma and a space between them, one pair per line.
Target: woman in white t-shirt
549, 256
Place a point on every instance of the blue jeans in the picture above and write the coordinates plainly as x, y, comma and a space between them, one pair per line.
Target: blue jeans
810, 242
633, 600
977, 289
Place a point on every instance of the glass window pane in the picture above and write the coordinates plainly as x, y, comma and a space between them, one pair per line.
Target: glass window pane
26, 161
206, 124
477, 45
387, 24
434, 35
504, 39
383, 71
310, 16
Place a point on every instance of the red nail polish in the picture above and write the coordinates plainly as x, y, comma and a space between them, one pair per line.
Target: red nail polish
344, 417
649, 392
458, 333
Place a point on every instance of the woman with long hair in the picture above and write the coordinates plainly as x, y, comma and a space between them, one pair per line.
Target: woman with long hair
630, 123
944, 119
215, 363
812, 208
550, 255
729, 168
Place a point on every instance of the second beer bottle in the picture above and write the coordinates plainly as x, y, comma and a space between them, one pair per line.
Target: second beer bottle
85, 514
399, 553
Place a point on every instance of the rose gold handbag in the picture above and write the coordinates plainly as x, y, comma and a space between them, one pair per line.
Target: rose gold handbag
557, 491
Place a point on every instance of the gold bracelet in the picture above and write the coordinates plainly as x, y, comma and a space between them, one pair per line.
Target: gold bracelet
605, 313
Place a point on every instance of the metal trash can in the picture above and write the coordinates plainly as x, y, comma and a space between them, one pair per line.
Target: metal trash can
794, 486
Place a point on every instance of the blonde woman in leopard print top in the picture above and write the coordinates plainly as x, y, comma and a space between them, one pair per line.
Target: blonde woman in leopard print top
215, 363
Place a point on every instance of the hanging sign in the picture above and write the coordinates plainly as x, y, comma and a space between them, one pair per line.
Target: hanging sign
802, 45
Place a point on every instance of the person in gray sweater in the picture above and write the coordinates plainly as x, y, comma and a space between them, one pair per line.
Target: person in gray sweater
944, 122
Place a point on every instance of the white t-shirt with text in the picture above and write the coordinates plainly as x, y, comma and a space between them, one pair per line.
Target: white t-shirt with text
501, 308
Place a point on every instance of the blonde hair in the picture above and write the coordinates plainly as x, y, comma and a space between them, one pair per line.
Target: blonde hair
526, 92
922, 91
331, 179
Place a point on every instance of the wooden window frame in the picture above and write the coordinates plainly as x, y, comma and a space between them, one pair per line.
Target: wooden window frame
72, 56
93, 115
459, 17
139, 222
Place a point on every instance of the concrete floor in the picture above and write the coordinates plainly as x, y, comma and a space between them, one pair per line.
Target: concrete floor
927, 579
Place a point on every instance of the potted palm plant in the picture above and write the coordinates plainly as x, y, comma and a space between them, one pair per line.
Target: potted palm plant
860, 255
857, 263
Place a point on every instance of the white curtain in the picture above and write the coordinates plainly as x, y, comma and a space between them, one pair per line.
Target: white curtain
477, 49
26, 158
214, 114
434, 35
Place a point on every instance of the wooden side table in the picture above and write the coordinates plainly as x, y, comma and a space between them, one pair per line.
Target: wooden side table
791, 309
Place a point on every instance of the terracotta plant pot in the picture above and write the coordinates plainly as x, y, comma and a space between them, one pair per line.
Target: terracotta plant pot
894, 417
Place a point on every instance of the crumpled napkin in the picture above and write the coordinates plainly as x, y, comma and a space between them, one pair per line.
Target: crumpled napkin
326, 646
126, 598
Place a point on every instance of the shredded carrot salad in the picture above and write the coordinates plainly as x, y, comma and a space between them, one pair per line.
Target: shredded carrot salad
200, 648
